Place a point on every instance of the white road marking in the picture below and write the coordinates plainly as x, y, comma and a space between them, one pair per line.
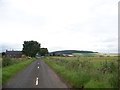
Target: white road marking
38, 66
36, 81
38, 63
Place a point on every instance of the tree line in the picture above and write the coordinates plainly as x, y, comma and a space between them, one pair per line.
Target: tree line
31, 48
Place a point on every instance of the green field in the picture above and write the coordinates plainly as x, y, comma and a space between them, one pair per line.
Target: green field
86, 72
95, 54
0, 69
16, 66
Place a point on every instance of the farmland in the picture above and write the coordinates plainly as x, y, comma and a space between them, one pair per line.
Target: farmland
86, 72
0, 69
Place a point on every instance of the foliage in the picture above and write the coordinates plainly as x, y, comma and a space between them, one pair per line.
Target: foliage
43, 51
0, 62
114, 80
86, 72
3, 54
6, 61
31, 48
0, 76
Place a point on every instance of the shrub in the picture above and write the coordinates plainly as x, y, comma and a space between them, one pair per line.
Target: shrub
6, 61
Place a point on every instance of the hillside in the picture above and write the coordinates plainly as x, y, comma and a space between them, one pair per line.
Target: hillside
70, 52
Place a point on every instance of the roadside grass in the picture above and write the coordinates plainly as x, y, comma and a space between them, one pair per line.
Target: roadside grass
11, 70
0, 76
6, 61
86, 72
0, 70
0, 62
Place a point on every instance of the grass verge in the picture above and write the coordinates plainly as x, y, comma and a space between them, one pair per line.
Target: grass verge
0, 70
10, 71
0, 76
86, 72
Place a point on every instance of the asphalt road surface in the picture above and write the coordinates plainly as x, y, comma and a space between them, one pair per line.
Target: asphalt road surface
36, 75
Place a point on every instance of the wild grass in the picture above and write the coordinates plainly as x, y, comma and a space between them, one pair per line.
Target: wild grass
0, 76
0, 70
0, 62
11, 70
86, 72
6, 61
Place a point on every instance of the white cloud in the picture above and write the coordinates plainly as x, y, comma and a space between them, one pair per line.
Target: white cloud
60, 24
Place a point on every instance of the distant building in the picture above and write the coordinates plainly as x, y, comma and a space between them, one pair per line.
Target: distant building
67, 55
61, 54
14, 54
70, 55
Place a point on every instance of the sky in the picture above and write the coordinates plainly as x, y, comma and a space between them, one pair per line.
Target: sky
60, 24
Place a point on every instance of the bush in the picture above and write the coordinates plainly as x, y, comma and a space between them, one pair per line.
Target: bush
6, 61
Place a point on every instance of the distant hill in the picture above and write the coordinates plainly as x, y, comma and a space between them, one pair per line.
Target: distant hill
71, 52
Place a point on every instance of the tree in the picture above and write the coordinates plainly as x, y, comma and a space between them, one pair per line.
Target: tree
43, 51
31, 48
3, 54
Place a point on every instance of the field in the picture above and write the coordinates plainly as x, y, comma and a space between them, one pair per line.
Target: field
16, 65
0, 69
95, 54
0, 61
86, 72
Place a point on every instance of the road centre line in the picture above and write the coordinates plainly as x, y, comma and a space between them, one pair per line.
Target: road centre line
36, 83
38, 67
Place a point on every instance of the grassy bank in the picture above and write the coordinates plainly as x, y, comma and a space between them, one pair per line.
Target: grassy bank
86, 72
11, 70
0, 69
0, 76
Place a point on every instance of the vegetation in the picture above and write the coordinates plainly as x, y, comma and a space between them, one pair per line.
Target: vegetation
86, 72
43, 51
70, 52
3, 54
0, 70
0, 76
7, 61
10, 66
0, 62
31, 48
14, 67
73, 51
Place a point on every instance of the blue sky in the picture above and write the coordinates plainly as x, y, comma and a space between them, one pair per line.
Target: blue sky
60, 24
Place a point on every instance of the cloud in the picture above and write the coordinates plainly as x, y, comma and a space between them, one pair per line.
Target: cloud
60, 24
10, 46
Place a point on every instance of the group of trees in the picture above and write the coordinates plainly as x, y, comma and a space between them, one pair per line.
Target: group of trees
31, 48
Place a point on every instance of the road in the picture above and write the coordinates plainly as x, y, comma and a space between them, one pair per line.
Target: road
36, 75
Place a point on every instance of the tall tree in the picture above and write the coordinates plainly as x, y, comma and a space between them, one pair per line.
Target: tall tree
3, 54
43, 51
31, 48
